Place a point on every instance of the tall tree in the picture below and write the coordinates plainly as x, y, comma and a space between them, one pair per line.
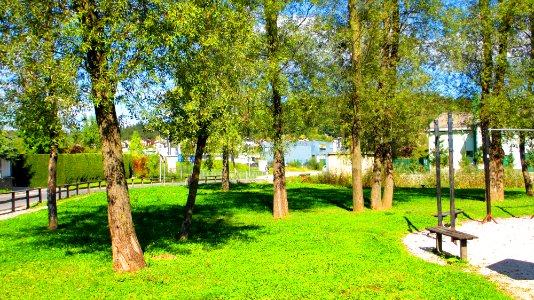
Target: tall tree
113, 50
204, 45
493, 96
42, 79
271, 10
356, 37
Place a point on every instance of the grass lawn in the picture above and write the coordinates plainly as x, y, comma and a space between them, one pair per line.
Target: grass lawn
236, 250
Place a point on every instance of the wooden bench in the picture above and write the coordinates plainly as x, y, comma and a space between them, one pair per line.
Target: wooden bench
448, 213
211, 177
457, 235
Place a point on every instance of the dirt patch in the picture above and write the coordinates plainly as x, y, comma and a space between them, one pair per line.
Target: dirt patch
503, 252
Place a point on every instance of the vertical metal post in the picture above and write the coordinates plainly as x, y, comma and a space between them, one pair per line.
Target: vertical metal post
27, 199
40, 196
438, 172
13, 197
451, 172
59, 187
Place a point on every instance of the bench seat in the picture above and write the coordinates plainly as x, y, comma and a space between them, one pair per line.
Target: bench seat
457, 235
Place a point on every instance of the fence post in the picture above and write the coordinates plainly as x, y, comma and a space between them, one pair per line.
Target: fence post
77, 188
88, 187
40, 195
68, 191
99, 184
27, 199
13, 197
59, 187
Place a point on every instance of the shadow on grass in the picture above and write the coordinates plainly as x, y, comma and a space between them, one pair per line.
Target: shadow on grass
158, 214
85, 229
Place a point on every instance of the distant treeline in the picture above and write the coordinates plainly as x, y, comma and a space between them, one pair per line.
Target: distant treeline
126, 132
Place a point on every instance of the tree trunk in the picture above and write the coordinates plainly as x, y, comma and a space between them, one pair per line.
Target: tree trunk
376, 188
357, 182
225, 170
524, 166
127, 253
496, 151
496, 167
389, 184
486, 74
356, 152
193, 185
51, 187
392, 61
280, 205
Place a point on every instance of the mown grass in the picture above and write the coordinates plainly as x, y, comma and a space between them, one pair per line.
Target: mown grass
236, 250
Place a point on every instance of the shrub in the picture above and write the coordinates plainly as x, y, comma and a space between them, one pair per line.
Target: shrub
32, 169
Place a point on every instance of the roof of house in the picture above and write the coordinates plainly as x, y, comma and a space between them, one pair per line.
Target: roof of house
460, 121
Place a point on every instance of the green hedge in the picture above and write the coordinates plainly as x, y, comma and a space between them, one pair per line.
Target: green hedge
32, 170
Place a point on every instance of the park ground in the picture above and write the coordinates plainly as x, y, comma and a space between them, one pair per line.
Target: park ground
236, 250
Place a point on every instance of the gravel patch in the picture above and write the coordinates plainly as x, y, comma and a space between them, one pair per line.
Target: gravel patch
503, 252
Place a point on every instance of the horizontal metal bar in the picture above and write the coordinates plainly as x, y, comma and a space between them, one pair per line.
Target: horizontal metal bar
510, 129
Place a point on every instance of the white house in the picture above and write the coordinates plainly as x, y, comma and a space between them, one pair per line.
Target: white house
5, 168
467, 139
6, 181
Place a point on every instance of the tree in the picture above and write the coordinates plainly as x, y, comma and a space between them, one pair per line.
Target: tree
356, 41
203, 48
114, 49
135, 147
42, 80
271, 10
479, 39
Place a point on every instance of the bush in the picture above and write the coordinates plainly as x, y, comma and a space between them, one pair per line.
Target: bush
32, 169
313, 164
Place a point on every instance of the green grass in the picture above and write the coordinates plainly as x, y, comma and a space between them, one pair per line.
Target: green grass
236, 250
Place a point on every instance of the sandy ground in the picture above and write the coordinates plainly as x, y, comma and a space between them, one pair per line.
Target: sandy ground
503, 252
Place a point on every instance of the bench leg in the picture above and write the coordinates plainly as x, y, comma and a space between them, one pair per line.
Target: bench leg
439, 243
463, 249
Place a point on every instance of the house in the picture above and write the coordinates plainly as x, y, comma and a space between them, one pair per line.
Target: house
6, 181
467, 139
302, 150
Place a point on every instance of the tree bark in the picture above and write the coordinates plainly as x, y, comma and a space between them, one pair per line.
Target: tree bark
127, 253
225, 170
376, 188
524, 165
389, 183
280, 204
496, 155
193, 185
51, 187
355, 99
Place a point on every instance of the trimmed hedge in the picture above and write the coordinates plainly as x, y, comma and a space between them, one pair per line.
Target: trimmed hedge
31, 170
